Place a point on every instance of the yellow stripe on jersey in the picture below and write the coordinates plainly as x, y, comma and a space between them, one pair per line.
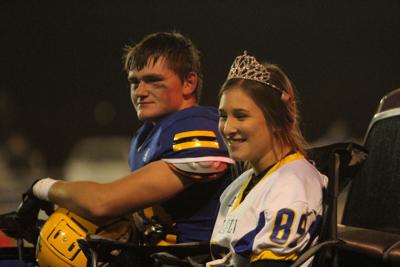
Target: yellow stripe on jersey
193, 134
279, 164
239, 198
269, 255
195, 139
195, 144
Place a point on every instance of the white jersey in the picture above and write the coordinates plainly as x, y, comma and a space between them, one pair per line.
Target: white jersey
278, 219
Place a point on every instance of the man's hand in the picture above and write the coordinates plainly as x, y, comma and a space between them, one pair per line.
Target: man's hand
12, 226
23, 223
30, 205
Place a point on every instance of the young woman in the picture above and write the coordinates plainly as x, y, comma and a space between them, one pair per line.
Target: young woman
271, 212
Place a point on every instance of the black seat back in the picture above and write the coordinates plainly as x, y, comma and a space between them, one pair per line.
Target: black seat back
339, 161
374, 198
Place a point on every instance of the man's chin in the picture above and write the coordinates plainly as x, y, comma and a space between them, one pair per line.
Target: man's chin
143, 116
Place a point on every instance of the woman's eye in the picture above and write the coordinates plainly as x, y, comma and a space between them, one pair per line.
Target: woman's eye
222, 116
241, 116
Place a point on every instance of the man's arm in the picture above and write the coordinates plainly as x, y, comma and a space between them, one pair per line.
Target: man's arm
151, 184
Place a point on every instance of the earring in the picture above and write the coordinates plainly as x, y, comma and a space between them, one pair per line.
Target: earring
285, 96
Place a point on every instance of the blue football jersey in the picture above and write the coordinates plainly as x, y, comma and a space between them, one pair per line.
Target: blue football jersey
189, 135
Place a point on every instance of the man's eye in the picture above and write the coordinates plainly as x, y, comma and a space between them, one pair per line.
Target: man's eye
152, 80
156, 83
134, 85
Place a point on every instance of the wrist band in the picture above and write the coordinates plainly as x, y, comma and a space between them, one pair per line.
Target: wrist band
41, 188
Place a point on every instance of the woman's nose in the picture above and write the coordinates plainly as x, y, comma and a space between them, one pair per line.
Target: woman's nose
228, 127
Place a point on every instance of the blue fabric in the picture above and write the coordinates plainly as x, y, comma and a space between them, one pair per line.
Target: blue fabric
15, 263
154, 142
244, 246
193, 210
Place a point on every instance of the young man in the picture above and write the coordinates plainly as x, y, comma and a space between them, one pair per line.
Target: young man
177, 158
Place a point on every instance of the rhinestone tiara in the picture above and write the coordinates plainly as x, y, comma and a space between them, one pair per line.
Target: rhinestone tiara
247, 67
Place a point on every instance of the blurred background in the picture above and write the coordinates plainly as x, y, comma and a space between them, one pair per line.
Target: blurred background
65, 109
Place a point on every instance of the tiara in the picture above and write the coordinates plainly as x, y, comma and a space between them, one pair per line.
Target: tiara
247, 67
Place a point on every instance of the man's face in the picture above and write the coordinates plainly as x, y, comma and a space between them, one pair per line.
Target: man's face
156, 91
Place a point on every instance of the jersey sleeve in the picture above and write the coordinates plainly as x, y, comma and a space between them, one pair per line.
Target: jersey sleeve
194, 148
193, 140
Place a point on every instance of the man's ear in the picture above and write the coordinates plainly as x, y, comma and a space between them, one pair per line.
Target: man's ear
190, 84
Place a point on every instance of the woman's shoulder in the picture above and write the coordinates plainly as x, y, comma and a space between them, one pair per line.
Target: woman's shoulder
298, 176
300, 168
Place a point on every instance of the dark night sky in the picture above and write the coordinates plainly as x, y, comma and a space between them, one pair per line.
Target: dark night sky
60, 59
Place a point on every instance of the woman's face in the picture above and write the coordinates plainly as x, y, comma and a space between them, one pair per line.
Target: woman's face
244, 129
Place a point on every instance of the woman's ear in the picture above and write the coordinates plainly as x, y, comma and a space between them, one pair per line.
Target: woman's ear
190, 84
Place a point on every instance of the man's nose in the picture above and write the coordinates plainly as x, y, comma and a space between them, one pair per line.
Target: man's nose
141, 89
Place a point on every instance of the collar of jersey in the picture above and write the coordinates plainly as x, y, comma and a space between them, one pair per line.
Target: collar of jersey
285, 160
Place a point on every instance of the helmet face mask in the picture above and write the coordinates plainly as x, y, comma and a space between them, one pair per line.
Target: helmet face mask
57, 244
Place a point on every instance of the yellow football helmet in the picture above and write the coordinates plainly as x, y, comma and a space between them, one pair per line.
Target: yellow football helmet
57, 244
